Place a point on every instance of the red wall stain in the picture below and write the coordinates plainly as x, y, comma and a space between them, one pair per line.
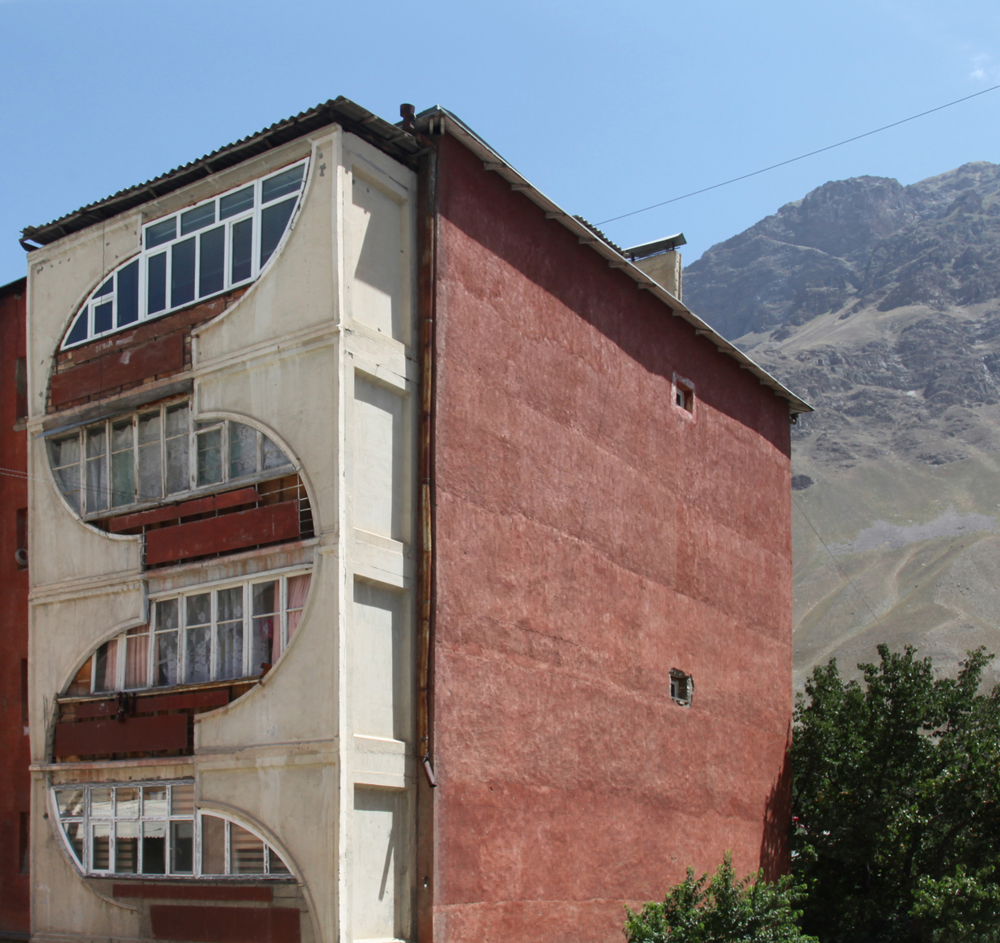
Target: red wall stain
225, 533
590, 537
225, 924
136, 734
14, 778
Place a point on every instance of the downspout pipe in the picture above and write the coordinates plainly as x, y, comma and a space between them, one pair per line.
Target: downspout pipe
427, 292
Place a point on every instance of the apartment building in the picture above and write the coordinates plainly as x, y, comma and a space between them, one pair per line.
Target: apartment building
406, 562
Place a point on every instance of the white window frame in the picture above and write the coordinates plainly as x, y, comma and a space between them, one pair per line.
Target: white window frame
250, 671
196, 428
271, 872
254, 213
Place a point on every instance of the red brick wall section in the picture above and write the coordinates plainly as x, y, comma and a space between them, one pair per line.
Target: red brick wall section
14, 777
224, 533
119, 369
136, 734
589, 537
224, 924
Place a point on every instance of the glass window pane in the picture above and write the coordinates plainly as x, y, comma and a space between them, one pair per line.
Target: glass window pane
154, 800
105, 289
149, 428
97, 484
137, 659
230, 604
275, 864
70, 802
150, 484
166, 658
273, 456
266, 643
177, 420
126, 847
100, 803
65, 451
154, 847
213, 262
166, 615
182, 273
128, 294
265, 598
79, 331
127, 802
230, 650
288, 181
105, 670
182, 799
236, 202
100, 847
242, 450
210, 457
181, 847
273, 222
162, 232
122, 464
213, 845
199, 609
74, 832
178, 466
198, 655
156, 283
95, 441
242, 237
103, 317
198, 218
121, 436
298, 590
246, 851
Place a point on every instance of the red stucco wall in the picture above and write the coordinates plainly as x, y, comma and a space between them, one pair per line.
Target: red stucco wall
589, 538
14, 780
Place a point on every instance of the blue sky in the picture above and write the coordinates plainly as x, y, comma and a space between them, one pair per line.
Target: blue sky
606, 107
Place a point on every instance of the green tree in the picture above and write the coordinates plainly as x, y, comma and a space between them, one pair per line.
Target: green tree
897, 819
719, 909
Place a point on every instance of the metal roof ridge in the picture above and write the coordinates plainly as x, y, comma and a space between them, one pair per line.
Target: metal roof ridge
591, 236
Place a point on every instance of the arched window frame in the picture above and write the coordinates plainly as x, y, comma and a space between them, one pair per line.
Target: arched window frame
196, 844
219, 244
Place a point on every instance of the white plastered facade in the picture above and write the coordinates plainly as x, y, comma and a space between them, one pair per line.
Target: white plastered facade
320, 352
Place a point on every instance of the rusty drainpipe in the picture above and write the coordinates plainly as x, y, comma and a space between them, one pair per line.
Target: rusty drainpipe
426, 295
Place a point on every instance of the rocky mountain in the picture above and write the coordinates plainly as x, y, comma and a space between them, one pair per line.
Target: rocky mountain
880, 304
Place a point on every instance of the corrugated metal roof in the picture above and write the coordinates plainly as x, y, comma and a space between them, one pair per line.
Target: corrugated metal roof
388, 137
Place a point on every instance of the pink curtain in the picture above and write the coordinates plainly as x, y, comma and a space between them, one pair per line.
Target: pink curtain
136, 658
298, 590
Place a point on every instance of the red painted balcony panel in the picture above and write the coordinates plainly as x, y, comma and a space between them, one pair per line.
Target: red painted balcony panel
224, 534
172, 512
224, 924
135, 735
118, 368
164, 702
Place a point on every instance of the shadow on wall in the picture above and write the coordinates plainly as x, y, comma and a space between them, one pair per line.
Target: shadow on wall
775, 856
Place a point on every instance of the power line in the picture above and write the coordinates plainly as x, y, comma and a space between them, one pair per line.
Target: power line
792, 160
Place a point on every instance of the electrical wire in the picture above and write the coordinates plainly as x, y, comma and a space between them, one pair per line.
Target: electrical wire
792, 160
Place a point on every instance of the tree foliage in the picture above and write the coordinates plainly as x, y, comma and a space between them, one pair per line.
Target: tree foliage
719, 909
897, 836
